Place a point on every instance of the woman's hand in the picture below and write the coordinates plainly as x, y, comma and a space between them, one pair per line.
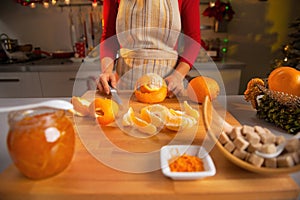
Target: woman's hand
175, 80
175, 84
104, 80
107, 76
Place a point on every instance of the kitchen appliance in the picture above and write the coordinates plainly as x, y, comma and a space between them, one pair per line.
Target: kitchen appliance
8, 44
10, 48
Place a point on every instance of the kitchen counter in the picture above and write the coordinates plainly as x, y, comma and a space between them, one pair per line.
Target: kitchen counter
88, 178
57, 64
41, 65
50, 77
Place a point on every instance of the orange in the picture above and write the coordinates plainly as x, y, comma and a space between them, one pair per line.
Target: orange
202, 86
104, 110
150, 88
285, 79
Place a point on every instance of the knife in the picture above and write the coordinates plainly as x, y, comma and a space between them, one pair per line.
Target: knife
115, 95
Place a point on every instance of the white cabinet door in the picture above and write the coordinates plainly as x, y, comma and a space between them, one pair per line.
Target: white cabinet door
57, 84
20, 84
66, 84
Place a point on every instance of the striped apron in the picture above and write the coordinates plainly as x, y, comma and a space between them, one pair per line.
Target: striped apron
147, 31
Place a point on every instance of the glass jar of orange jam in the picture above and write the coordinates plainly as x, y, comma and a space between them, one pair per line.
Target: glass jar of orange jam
40, 141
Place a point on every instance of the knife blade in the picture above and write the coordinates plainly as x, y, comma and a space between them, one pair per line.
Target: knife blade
115, 95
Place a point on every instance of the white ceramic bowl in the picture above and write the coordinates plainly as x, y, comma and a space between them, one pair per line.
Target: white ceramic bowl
169, 151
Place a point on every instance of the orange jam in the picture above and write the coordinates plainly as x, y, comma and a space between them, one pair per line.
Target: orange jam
40, 141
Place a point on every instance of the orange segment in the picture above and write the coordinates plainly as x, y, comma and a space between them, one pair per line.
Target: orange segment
151, 118
178, 120
129, 119
190, 111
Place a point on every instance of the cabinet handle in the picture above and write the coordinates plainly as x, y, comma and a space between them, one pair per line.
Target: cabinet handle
9, 80
80, 79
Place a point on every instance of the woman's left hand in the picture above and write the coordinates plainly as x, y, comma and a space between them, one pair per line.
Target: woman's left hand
175, 84
175, 80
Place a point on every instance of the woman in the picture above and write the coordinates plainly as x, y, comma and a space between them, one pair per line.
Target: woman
146, 34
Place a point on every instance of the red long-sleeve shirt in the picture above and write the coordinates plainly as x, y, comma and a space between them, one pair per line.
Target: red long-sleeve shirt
190, 23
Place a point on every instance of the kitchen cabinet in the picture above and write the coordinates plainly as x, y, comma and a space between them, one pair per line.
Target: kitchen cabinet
57, 84
20, 84
66, 84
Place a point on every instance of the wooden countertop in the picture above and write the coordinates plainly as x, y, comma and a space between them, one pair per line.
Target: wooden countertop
86, 177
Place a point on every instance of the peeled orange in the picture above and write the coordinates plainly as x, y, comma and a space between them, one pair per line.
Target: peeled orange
104, 110
202, 86
150, 88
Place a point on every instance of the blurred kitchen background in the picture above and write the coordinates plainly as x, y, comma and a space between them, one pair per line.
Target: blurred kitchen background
253, 38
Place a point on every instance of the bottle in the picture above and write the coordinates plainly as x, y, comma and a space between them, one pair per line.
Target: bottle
40, 141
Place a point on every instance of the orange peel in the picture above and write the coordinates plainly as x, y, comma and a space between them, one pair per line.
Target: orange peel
150, 88
104, 110
81, 106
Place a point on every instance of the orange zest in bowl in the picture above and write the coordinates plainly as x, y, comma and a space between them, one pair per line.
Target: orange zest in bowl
186, 163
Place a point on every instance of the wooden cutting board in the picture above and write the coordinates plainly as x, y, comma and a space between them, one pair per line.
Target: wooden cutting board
132, 140
88, 178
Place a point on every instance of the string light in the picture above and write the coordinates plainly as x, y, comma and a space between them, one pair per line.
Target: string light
32, 5
46, 5
94, 4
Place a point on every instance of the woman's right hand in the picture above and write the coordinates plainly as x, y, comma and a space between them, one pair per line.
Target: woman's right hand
106, 79
107, 76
